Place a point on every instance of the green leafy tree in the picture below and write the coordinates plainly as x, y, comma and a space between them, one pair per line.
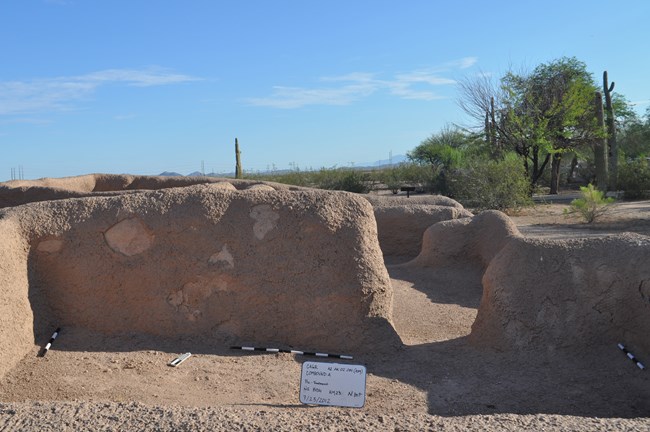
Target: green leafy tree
560, 95
634, 136
541, 115
442, 152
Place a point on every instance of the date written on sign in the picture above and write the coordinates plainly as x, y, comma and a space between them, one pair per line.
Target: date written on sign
333, 384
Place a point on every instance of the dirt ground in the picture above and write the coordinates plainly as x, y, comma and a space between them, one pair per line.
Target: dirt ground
437, 381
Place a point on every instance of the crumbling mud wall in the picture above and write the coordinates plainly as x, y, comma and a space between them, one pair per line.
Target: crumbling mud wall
402, 221
544, 294
467, 241
18, 192
567, 294
16, 319
302, 268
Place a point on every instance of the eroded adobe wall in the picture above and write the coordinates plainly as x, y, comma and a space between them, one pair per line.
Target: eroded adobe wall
466, 241
19, 192
300, 268
402, 221
547, 294
563, 294
16, 318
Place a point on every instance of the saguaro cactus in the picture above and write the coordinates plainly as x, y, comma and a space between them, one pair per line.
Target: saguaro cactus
600, 146
238, 171
611, 134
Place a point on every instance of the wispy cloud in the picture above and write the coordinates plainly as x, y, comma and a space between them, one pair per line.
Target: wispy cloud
56, 94
463, 63
346, 89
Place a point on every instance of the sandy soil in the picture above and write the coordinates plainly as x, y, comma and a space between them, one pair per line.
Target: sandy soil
436, 382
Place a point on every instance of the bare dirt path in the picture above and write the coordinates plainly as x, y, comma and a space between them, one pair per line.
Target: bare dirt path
549, 221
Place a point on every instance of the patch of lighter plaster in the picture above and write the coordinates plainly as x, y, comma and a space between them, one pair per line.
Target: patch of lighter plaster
265, 220
223, 256
50, 246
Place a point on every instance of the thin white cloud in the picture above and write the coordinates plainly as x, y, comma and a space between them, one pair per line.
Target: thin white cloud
134, 77
640, 102
296, 97
56, 94
415, 85
462, 63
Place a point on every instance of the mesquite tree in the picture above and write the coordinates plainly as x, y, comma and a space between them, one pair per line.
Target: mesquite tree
541, 115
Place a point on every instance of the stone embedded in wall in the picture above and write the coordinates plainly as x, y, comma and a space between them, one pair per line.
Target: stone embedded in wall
265, 220
129, 237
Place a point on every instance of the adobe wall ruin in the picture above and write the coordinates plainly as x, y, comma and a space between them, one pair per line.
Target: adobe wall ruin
302, 268
548, 294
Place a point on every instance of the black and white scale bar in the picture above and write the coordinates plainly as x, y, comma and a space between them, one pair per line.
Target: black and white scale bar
631, 357
305, 353
49, 344
180, 359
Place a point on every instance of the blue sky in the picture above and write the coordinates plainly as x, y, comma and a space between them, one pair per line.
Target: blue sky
141, 87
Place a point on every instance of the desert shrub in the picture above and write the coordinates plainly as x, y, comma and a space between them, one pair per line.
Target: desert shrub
295, 177
591, 206
415, 174
342, 179
392, 179
634, 178
489, 184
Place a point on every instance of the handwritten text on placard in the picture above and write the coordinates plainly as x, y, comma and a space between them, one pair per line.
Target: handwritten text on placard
333, 384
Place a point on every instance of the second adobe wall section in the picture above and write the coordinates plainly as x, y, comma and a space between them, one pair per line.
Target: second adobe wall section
547, 294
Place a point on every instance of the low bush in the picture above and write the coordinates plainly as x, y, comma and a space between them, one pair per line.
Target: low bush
634, 178
488, 184
342, 179
591, 206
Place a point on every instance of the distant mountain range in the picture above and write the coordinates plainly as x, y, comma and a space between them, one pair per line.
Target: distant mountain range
397, 159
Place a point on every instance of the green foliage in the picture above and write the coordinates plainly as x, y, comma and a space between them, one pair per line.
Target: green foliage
491, 184
591, 206
344, 179
408, 174
539, 115
443, 152
634, 178
349, 180
634, 136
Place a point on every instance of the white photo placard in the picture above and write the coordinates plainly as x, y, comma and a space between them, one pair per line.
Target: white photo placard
333, 384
